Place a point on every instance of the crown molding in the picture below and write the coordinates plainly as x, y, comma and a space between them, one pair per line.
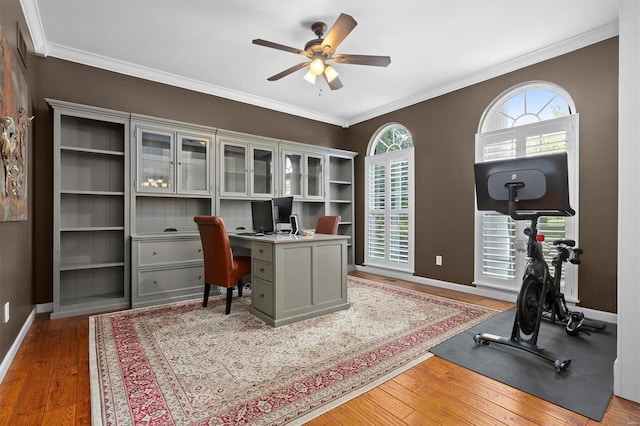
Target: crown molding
31, 14
569, 45
127, 68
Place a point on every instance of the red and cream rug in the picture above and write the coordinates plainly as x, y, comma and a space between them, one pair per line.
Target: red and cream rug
182, 364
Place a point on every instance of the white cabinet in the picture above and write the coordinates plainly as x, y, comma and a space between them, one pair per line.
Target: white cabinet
303, 173
90, 205
172, 158
172, 164
247, 165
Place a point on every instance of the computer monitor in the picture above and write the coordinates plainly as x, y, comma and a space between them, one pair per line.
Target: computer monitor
284, 206
262, 216
541, 184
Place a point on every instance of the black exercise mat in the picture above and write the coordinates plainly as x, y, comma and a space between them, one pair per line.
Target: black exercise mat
585, 387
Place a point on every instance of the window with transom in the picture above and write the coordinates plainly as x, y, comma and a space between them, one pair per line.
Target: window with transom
389, 199
531, 119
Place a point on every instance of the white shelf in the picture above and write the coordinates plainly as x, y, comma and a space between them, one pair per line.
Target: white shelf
92, 228
85, 192
80, 266
92, 151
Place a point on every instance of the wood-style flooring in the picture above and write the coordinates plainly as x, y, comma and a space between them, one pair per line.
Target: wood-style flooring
48, 384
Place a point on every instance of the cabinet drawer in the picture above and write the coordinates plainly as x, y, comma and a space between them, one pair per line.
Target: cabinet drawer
170, 280
262, 296
158, 252
263, 252
262, 270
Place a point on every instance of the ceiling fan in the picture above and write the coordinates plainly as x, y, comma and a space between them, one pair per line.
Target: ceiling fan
320, 50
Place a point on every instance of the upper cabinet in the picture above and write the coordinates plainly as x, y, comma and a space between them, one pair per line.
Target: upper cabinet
247, 165
171, 159
303, 173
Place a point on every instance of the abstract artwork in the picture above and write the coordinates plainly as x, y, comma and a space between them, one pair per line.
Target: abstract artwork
14, 122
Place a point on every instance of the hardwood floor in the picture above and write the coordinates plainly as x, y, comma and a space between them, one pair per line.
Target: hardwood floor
48, 384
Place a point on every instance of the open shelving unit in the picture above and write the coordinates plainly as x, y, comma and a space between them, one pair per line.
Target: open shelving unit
341, 196
91, 231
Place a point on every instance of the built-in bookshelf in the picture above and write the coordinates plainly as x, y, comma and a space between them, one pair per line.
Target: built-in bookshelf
341, 193
91, 227
127, 187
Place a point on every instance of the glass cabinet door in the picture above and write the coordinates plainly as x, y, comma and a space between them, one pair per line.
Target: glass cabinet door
155, 161
262, 168
192, 164
234, 169
292, 171
315, 177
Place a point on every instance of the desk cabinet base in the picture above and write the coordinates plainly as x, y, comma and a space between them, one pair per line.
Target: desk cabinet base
308, 279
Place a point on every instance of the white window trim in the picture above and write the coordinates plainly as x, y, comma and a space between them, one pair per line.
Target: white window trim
571, 124
407, 153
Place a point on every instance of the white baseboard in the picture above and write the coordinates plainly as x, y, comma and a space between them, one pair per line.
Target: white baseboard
485, 292
8, 359
42, 308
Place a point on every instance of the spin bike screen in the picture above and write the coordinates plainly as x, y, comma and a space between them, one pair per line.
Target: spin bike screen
542, 184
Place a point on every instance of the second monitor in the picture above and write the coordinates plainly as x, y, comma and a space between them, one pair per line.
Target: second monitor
283, 207
265, 215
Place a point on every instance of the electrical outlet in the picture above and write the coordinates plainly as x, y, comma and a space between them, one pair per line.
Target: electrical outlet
6, 312
439, 260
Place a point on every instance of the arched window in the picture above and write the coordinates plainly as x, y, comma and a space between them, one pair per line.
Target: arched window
389, 199
530, 119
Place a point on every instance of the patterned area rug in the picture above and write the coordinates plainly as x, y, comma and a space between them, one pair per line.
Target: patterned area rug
182, 364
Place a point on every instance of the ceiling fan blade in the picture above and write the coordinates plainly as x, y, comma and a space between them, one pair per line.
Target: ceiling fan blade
273, 45
341, 29
377, 61
288, 71
334, 84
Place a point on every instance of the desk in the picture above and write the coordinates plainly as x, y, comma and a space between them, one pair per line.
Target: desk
296, 277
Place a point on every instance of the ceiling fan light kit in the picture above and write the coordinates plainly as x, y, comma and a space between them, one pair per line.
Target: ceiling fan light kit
321, 50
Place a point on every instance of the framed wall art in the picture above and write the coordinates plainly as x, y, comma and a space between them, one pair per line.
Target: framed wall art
14, 123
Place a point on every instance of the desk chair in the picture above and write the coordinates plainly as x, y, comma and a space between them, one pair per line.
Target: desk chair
328, 224
221, 267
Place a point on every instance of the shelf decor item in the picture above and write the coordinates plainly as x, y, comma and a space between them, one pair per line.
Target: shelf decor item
14, 122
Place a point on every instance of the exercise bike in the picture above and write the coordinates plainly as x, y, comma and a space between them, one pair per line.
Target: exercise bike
540, 296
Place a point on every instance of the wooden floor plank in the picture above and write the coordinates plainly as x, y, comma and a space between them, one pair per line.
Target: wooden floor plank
48, 384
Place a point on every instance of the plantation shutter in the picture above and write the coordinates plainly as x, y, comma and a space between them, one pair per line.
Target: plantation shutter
389, 241
376, 248
398, 212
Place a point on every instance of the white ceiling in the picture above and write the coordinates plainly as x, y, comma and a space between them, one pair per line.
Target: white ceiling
435, 46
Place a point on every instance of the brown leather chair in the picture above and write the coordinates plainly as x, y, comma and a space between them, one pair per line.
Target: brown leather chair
221, 267
328, 224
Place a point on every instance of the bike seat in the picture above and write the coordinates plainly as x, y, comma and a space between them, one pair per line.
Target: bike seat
568, 243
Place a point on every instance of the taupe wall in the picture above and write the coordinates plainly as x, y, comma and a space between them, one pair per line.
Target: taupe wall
443, 130
89, 86
16, 279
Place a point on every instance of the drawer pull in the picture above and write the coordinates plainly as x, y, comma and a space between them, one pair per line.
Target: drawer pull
155, 252
155, 281
199, 277
261, 269
262, 295
260, 251
199, 250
